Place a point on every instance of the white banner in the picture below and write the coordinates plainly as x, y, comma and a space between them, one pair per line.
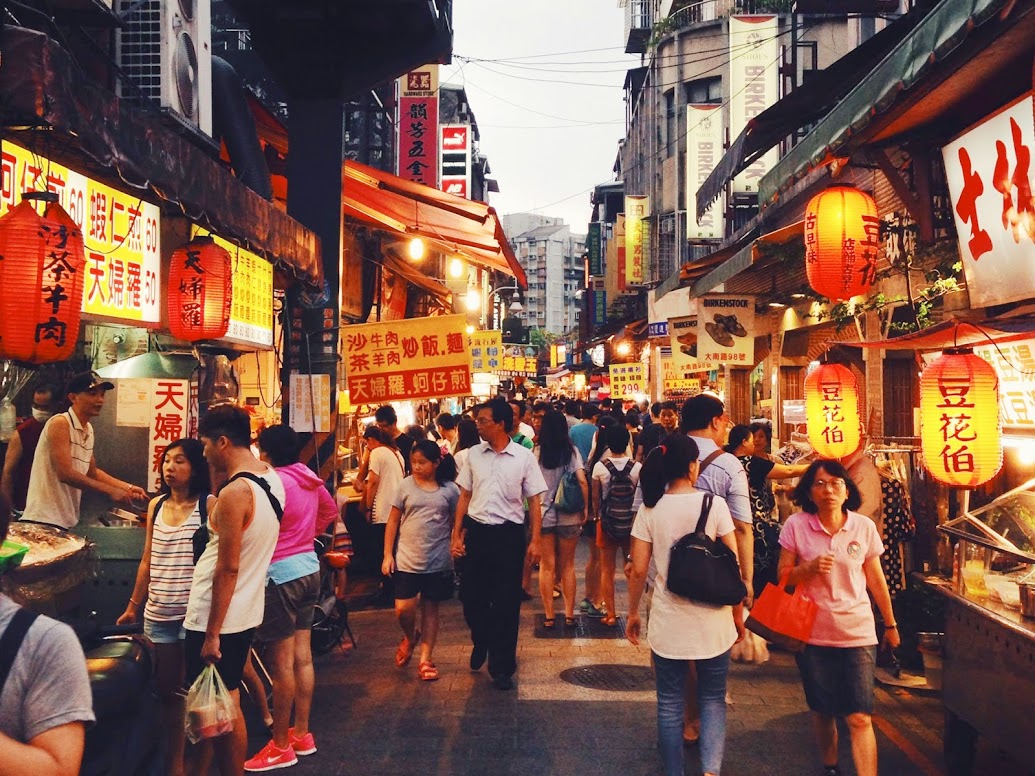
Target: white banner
703, 151
990, 181
754, 86
1014, 362
726, 330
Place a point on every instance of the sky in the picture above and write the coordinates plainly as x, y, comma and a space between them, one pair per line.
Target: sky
548, 143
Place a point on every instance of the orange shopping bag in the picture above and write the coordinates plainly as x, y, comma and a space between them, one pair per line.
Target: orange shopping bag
783, 618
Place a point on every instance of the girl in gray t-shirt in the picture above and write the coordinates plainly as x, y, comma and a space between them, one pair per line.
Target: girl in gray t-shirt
421, 565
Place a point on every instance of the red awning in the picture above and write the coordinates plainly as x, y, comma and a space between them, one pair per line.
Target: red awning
461, 227
957, 333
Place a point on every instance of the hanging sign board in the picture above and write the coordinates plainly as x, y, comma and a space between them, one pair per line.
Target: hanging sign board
637, 209
120, 234
168, 410
456, 160
726, 330
416, 358
1014, 363
486, 351
307, 390
754, 86
627, 380
704, 138
418, 126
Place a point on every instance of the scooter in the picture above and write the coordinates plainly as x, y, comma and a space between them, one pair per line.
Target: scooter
126, 739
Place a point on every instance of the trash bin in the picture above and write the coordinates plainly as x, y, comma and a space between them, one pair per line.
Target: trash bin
930, 648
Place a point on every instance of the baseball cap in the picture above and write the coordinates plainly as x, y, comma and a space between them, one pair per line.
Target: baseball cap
87, 381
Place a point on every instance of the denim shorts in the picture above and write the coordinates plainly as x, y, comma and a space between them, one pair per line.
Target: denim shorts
838, 680
164, 631
564, 531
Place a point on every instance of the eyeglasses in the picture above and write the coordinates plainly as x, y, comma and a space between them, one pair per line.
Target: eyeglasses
483, 421
836, 484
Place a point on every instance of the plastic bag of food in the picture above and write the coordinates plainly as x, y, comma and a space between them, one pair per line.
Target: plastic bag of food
210, 709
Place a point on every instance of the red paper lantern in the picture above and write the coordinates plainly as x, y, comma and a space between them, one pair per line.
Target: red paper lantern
200, 291
960, 435
832, 411
842, 237
42, 261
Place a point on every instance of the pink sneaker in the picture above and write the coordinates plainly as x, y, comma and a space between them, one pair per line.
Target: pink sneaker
303, 745
270, 758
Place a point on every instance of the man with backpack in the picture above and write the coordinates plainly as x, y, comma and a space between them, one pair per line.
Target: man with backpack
616, 478
227, 596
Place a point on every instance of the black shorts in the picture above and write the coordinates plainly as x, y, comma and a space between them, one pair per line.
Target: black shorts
589, 528
233, 647
289, 607
436, 586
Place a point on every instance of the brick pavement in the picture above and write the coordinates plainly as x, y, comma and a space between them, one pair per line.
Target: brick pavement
373, 719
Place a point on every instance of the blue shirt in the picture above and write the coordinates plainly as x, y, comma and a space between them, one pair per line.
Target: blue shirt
582, 437
725, 477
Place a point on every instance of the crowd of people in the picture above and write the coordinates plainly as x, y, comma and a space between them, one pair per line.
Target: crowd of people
479, 500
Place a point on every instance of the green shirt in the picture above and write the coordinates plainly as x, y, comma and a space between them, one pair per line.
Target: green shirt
522, 440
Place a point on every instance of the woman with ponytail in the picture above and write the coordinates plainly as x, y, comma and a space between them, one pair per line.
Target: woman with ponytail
682, 630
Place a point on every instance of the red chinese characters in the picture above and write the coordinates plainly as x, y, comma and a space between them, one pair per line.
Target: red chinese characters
200, 291
832, 411
418, 126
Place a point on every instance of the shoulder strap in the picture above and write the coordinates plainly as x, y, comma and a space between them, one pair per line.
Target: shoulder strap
707, 461
12, 640
706, 507
261, 482
610, 466
203, 508
161, 502
628, 466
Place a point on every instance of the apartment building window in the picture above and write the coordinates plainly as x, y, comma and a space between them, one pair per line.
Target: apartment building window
671, 142
704, 90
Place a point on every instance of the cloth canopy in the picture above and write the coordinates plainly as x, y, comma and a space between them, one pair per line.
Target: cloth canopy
957, 332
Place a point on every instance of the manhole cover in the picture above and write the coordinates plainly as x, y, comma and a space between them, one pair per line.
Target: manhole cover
610, 676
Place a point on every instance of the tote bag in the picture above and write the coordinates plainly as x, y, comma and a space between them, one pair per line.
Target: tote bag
783, 618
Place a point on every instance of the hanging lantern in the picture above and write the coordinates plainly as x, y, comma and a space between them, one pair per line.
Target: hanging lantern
832, 411
959, 419
842, 237
200, 291
42, 261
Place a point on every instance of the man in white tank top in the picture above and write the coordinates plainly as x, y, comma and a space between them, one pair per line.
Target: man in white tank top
227, 594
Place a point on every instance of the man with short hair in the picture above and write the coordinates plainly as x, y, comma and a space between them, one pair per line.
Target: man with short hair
64, 464
45, 698
582, 435
489, 531
651, 436
867, 479
388, 421
227, 595
571, 413
522, 433
21, 450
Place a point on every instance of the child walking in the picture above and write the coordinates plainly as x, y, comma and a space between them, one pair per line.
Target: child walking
422, 566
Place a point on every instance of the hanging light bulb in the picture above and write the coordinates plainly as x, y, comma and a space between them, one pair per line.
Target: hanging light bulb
415, 249
470, 328
473, 300
456, 268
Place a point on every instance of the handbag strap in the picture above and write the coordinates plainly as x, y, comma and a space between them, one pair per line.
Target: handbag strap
12, 640
707, 461
706, 507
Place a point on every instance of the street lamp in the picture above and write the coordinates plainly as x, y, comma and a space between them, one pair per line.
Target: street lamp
515, 304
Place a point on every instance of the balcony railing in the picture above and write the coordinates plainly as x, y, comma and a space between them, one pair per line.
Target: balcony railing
697, 11
637, 26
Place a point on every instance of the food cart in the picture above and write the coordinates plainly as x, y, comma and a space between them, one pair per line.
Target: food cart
989, 643
51, 575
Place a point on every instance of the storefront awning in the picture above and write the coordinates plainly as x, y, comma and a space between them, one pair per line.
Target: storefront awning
456, 226
745, 257
415, 277
957, 332
890, 83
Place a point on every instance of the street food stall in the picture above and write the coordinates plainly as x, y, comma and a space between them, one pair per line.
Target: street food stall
47, 570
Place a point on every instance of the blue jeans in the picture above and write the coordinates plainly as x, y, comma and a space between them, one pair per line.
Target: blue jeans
670, 678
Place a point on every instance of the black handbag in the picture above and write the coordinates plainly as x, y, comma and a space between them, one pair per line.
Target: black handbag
703, 569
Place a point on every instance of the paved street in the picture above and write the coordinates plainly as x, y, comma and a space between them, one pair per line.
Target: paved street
373, 718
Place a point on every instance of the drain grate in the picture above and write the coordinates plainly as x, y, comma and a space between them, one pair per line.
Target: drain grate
610, 676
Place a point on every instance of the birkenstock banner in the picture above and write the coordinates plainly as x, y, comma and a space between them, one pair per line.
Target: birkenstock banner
726, 330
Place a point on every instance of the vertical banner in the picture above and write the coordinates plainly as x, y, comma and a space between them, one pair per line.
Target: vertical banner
726, 330
456, 160
620, 253
637, 208
307, 390
418, 126
598, 302
486, 351
595, 249
754, 86
627, 380
167, 422
703, 149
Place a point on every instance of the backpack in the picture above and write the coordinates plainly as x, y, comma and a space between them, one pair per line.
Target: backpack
616, 511
568, 498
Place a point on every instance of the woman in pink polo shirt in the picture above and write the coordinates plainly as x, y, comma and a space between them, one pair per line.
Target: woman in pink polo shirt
834, 553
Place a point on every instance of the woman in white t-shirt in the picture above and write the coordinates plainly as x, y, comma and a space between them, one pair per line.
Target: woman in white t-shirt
385, 472
682, 630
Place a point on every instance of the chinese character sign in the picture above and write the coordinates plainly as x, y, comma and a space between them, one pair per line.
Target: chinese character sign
595, 249
168, 420
832, 411
960, 435
251, 312
637, 209
120, 234
754, 86
704, 137
726, 330
627, 380
418, 126
486, 351
310, 407
456, 160
988, 170
417, 358
598, 301
1014, 363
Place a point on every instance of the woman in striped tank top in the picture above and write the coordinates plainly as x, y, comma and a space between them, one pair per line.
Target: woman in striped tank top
164, 576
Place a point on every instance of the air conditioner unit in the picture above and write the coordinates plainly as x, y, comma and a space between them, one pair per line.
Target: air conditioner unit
165, 50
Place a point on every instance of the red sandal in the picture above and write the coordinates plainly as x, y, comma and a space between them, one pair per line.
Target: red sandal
427, 671
405, 651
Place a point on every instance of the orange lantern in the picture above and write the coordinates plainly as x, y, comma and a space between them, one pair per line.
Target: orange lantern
842, 237
42, 261
832, 411
200, 291
960, 433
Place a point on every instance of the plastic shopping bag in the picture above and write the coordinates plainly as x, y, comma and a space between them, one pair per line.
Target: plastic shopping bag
210, 709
